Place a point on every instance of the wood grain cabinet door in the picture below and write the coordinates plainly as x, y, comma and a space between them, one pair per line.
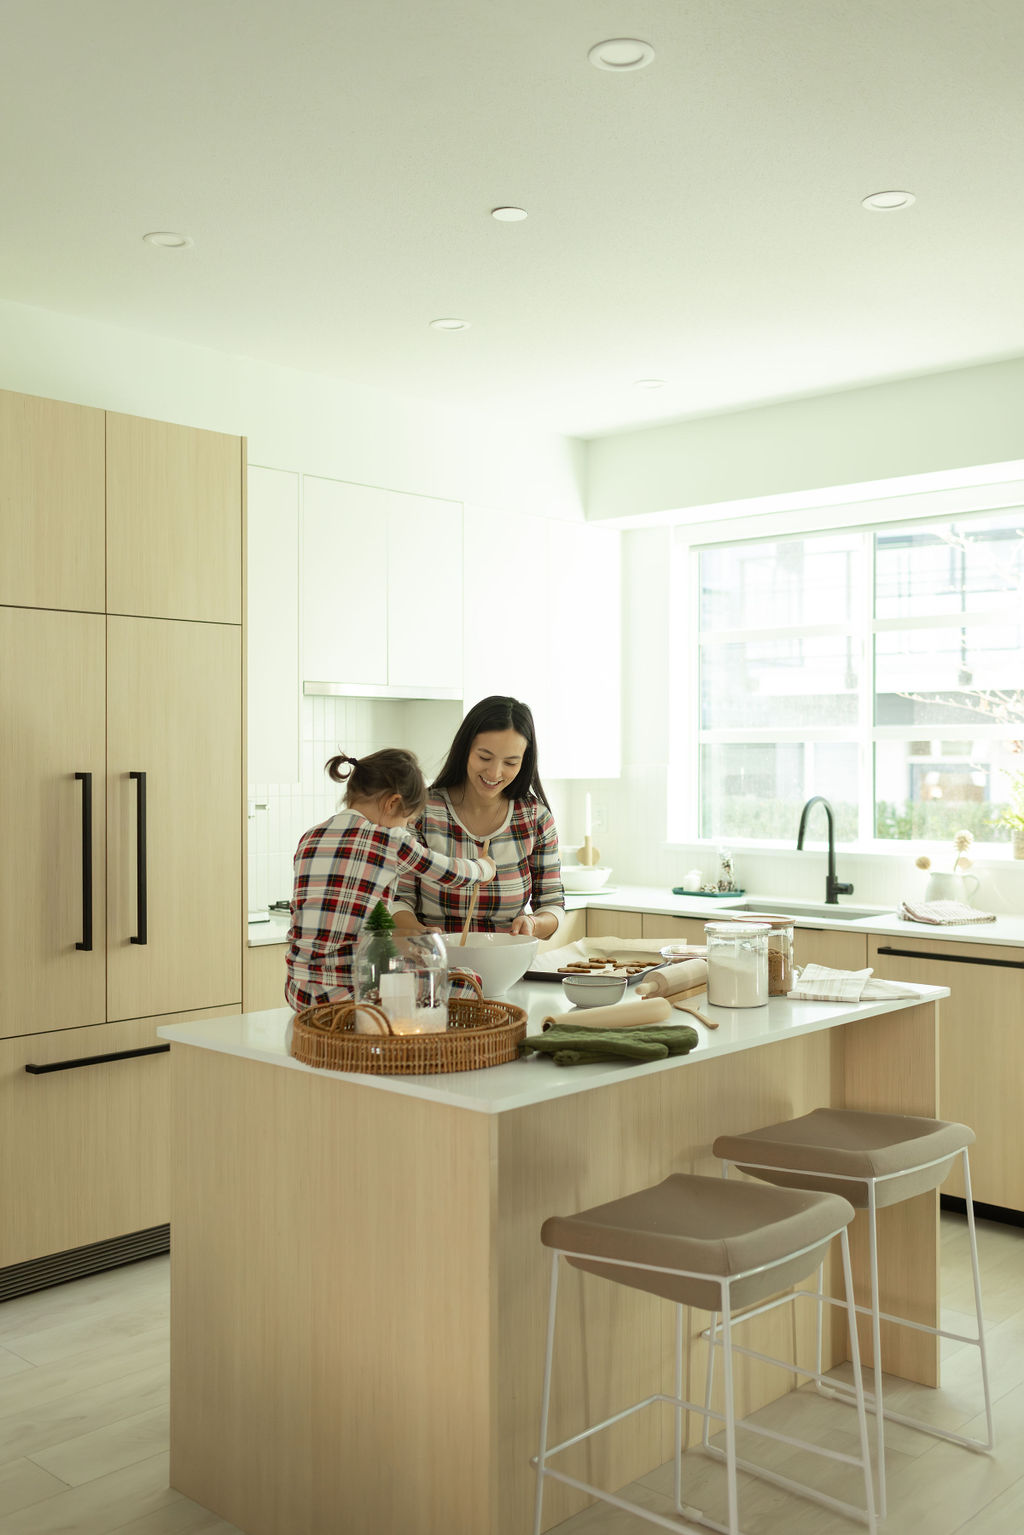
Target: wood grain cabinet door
174, 715
51, 728
981, 1050
174, 521
51, 503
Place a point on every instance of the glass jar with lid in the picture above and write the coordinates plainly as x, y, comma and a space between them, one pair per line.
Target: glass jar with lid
780, 951
737, 963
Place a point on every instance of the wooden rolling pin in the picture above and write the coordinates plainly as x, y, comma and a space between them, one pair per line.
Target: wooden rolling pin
621, 1015
688, 975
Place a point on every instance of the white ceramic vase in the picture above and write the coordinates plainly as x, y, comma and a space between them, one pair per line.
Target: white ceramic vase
950, 887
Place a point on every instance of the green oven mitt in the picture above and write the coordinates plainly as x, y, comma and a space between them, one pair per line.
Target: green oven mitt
570, 1044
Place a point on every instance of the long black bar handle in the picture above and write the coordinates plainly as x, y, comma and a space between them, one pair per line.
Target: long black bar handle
86, 781
96, 1060
141, 898
952, 959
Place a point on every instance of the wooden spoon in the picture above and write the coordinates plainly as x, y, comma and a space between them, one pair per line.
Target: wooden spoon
472, 898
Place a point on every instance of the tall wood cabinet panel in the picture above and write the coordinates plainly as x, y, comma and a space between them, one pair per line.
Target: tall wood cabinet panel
174, 713
174, 521
51, 503
135, 668
51, 727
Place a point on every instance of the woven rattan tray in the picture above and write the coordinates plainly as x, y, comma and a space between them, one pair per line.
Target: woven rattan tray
480, 1033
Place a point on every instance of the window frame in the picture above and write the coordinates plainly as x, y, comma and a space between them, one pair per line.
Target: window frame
688, 735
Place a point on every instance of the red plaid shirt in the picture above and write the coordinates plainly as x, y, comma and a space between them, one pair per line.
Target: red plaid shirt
525, 851
343, 867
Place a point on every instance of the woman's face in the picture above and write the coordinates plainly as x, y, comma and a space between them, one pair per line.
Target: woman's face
495, 758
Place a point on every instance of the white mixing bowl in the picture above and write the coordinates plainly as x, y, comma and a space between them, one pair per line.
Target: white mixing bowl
499, 959
579, 877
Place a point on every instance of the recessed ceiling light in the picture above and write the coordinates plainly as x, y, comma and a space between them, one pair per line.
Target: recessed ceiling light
450, 324
886, 202
621, 53
509, 215
648, 383
168, 239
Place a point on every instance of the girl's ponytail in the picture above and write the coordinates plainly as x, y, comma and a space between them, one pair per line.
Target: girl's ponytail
379, 775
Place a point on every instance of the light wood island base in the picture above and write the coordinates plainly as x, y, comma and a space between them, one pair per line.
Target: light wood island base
359, 1290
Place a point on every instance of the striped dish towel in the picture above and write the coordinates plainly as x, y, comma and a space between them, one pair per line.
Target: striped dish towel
943, 913
817, 983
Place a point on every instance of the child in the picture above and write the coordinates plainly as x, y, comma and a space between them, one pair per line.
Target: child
344, 866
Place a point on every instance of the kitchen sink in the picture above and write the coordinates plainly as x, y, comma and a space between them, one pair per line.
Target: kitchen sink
813, 909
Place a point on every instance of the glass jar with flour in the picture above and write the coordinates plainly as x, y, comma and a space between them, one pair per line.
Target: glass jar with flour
737, 963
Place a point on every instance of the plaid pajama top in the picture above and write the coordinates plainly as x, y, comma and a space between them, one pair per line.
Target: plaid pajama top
525, 850
343, 867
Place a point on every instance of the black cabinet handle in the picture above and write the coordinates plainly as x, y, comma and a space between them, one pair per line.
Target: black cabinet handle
141, 901
86, 781
97, 1060
953, 959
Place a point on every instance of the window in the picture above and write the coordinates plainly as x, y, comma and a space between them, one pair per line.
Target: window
883, 668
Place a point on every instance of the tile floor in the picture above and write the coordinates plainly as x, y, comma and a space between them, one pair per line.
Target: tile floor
83, 1420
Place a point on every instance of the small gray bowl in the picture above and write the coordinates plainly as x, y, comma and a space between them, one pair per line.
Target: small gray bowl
594, 990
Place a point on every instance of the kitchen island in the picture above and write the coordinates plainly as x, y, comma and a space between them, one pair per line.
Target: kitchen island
358, 1285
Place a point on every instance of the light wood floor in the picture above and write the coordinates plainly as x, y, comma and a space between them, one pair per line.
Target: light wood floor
83, 1421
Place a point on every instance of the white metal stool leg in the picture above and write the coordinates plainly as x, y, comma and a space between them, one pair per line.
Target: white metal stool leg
546, 1395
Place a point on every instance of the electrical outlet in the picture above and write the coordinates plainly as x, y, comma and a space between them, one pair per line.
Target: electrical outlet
598, 818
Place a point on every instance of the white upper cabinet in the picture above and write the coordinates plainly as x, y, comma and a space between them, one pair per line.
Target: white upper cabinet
344, 601
424, 593
381, 582
539, 594
272, 604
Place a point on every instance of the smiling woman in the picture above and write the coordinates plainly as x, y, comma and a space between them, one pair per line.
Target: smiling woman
489, 787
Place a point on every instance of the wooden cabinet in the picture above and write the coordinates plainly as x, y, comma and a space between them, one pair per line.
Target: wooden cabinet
614, 924
86, 1154
264, 977
174, 713
51, 503
562, 580
381, 587
174, 521
673, 929
121, 808
981, 1050
51, 729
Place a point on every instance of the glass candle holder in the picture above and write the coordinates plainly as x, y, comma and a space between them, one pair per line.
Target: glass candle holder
406, 976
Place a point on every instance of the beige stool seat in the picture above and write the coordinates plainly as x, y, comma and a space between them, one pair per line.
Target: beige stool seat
703, 1226
903, 1154
718, 1246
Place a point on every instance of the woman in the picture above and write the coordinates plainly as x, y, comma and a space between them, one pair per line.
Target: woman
489, 788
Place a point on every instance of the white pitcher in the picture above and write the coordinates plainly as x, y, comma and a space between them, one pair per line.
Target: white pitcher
950, 887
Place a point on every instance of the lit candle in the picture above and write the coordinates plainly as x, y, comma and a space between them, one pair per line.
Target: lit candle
586, 817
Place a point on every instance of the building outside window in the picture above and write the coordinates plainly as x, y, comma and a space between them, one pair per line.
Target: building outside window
882, 667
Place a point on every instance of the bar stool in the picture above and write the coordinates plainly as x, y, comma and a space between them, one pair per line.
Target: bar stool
717, 1245
872, 1160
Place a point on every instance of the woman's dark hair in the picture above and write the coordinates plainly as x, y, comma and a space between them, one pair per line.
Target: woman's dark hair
494, 713
391, 771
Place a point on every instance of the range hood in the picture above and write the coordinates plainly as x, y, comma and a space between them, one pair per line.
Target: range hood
376, 690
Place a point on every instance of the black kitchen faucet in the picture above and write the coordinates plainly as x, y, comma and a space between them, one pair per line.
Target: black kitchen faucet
834, 888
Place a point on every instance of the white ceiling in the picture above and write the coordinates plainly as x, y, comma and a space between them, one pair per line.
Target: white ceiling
700, 221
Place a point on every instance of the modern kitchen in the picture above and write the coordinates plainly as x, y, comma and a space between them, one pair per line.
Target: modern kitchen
390, 364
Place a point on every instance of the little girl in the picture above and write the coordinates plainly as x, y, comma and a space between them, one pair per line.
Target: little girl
344, 866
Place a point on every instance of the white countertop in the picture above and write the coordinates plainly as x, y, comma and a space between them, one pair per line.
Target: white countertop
655, 899
262, 1037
